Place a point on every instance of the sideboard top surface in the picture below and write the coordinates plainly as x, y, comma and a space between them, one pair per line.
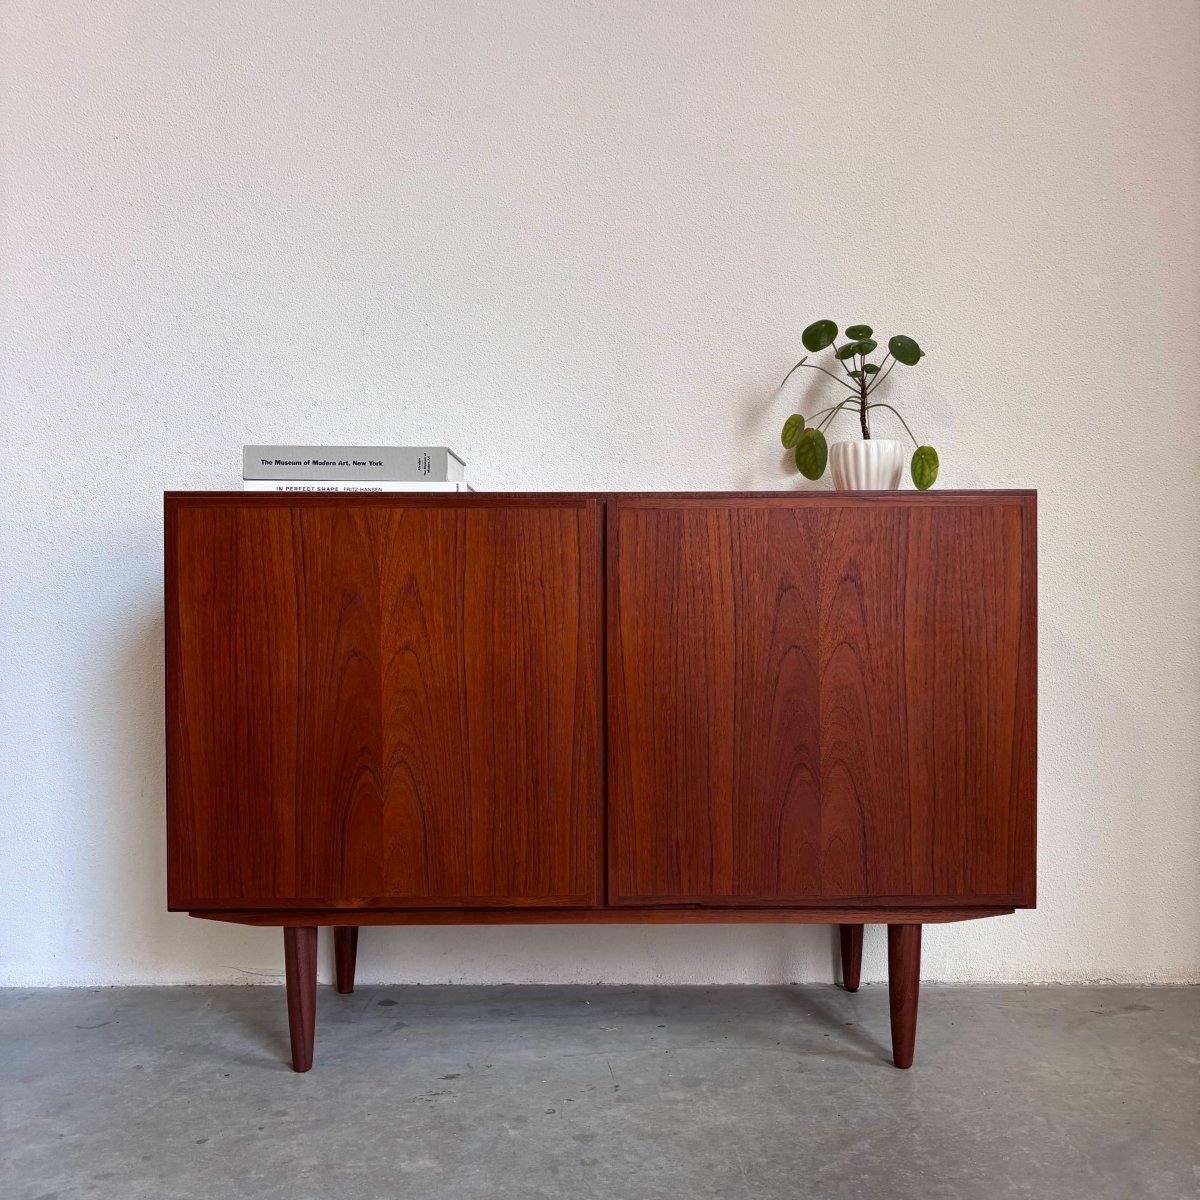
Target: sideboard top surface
500, 499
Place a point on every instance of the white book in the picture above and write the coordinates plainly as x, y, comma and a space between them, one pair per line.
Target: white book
348, 485
411, 464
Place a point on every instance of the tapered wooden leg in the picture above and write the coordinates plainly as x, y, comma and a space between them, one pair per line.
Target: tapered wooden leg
345, 955
904, 986
851, 937
300, 967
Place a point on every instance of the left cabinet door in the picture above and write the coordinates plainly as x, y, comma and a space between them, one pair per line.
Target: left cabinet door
386, 702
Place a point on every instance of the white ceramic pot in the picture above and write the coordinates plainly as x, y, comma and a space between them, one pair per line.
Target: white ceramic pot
866, 465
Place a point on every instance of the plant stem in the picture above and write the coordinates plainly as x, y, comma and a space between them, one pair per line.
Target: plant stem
881, 377
814, 367
837, 408
831, 408
862, 399
880, 404
792, 372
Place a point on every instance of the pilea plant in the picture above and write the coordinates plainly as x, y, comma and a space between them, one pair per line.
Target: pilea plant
862, 378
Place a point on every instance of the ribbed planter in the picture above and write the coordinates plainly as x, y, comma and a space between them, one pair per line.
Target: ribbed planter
866, 465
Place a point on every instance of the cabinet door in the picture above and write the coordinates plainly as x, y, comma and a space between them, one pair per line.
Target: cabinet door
384, 704
821, 699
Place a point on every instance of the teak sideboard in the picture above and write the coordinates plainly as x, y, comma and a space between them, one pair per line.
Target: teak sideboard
523, 708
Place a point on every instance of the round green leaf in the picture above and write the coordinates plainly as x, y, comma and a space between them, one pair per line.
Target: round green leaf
924, 467
812, 453
818, 335
871, 369
865, 346
793, 427
905, 350
858, 333
847, 351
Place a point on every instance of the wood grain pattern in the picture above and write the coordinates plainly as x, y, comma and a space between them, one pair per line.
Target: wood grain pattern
345, 957
399, 701
806, 708
904, 990
822, 700
623, 915
389, 701
708, 708
850, 939
300, 973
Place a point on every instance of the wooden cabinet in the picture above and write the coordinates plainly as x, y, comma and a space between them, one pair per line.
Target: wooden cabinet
596, 708
385, 706
817, 702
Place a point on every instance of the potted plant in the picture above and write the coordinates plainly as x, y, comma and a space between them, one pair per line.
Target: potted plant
869, 464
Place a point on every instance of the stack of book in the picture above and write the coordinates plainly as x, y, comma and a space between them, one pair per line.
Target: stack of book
352, 469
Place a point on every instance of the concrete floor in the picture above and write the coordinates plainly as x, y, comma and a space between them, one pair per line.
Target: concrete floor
617, 1092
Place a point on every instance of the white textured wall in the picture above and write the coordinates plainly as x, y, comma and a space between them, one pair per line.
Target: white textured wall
578, 241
